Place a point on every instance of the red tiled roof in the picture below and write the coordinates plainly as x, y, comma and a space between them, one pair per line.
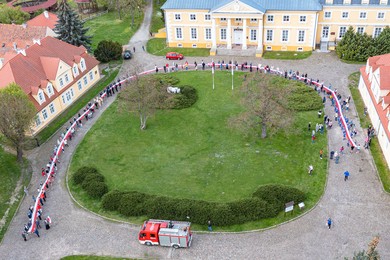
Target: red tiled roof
40, 64
378, 107
41, 20
22, 36
384, 74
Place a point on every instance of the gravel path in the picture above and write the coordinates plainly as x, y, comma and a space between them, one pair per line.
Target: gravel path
359, 207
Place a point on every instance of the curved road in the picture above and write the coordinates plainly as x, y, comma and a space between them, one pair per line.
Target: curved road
359, 207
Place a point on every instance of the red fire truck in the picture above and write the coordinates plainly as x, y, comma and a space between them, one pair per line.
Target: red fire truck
166, 233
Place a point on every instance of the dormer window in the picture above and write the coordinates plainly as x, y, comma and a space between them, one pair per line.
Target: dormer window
82, 64
50, 90
61, 83
75, 70
41, 97
66, 78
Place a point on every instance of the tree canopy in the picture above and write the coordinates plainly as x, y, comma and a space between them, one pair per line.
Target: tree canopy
359, 47
16, 115
70, 28
10, 14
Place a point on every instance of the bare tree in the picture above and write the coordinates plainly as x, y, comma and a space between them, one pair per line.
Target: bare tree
16, 115
143, 95
265, 103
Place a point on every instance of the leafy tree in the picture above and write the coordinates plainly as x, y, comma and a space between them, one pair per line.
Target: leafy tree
124, 6
382, 42
10, 14
143, 96
347, 45
16, 115
70, 28
266, 105
108, 50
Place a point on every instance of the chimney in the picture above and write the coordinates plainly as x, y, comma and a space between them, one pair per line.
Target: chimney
46, 14
23, 52
38, 41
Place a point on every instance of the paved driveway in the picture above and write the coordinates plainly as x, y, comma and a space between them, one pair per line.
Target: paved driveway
359, 207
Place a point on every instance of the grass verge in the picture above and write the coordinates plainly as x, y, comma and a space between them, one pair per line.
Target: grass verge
69, 113
10, 173
377, 154
109, 27
287, 55
157, 46
157, 18
195, 150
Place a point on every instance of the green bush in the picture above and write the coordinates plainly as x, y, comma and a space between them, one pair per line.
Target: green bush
111, 200
167, 79
133, 203
186, 98
96, 189
302, 98
108, 50
79, 176
92, 177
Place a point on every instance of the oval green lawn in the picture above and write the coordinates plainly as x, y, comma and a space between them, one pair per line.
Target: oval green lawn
193, 153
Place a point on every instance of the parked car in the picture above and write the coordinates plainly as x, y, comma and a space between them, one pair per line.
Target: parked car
174, 56
127, 55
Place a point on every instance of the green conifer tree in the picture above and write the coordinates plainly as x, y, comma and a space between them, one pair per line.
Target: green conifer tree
382, 42
70, 28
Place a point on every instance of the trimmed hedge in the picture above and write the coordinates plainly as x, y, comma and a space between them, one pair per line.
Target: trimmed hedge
302, 98
92, 177
267, 201
79, 176
186, 98
96, 189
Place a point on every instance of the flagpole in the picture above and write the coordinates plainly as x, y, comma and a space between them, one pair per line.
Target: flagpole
212, 71
232, 77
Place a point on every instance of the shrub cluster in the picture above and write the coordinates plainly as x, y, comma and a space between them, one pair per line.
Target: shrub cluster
91, 180
302, 98
108, 50
187, 97
266, 202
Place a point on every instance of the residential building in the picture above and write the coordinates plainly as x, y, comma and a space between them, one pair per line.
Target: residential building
374, 86
53, 74
45, 19
272, 25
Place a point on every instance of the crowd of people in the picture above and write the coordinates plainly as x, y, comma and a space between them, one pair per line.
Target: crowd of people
35, 212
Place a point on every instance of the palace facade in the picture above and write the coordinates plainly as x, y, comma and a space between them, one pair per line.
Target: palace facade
270, 25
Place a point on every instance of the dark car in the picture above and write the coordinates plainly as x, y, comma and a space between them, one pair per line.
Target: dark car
174, 56
127, 55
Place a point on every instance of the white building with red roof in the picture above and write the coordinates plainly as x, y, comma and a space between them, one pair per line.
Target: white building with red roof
53, 74
374, 86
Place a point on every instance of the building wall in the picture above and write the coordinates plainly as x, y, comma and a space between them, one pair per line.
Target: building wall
63, 101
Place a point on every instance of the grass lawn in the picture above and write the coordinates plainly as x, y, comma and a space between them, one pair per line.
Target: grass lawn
376, 151
92, 257
157, 18
287, 55
158, 47
69, 113
193, 153
109, 27
10, 173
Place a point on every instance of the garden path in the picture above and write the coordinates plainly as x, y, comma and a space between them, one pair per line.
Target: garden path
359, 207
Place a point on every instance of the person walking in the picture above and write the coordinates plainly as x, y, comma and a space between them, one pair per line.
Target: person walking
37, 232
134, 49
47, 222
346, 175
321, 153
24, 235
209, 227
329, 223
311, 169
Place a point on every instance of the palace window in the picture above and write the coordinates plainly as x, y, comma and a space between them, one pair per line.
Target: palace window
270, 34
284, 35
363, 15
223, 19
381, 15
177, 17
194, 34
360, 30
61, 83
270, 18
80, 87
302, 18
37, 120
301, 36
44, 114
193, 17
207, 17
91, 75
253, 20
377, 32
223, 34
253, 35
328, 15
286, 18
85, 80
68, 96
342, 31
71, 92
179, 33
238, 20
344, 15
52, 109
208, 34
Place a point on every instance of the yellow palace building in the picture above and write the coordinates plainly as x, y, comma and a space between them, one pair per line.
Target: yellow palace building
255, 26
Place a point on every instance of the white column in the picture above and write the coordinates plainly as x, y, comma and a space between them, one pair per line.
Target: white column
213, 33
260, 36
229, 34
244, 34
